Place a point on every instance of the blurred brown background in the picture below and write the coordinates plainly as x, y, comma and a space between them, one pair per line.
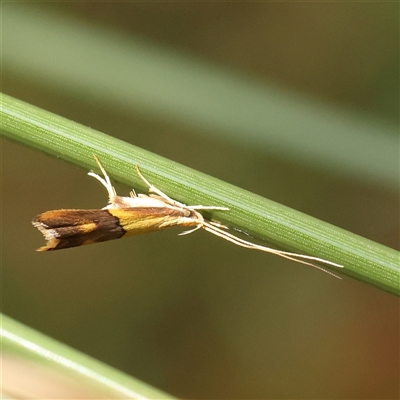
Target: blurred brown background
195, 316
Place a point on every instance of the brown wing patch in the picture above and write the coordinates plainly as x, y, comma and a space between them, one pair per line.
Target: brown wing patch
70, 228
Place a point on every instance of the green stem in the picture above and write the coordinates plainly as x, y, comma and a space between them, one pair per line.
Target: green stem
261, 218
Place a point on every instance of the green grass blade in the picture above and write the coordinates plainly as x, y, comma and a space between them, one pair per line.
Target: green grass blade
261, 218
140, 76
49, 360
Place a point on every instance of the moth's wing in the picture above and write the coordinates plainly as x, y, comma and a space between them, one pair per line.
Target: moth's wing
70, 228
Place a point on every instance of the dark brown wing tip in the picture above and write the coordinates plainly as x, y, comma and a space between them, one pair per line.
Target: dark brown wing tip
52, 242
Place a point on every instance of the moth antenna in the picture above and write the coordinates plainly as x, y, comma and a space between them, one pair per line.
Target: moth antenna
210, 227
274, 251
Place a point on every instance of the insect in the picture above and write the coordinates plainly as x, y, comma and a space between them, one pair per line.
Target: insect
137, 214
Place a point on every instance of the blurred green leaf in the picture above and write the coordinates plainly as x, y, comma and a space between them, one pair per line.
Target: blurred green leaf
58, 367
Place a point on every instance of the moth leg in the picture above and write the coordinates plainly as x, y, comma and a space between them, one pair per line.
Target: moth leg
104, 181
200, 225
200, 207
157, 191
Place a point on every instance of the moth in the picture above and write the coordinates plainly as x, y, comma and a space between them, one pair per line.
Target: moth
138, 214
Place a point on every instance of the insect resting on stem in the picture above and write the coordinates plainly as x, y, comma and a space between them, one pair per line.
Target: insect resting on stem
137, 214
